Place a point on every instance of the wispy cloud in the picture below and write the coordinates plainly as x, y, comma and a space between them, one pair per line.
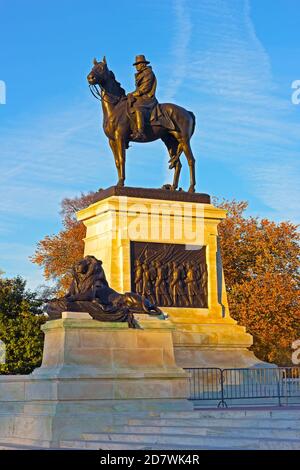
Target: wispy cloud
180, 48
226, 79
279, 185
49, 157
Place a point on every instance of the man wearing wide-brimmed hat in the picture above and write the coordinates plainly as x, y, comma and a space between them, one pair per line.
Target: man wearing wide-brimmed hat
142, 101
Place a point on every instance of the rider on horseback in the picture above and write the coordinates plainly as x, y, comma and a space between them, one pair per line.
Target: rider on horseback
142, 101
141, 115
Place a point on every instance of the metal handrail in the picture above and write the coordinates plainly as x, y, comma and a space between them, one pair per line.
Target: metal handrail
222, 385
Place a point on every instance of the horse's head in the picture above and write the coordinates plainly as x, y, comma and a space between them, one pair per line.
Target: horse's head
105, 78
99, 73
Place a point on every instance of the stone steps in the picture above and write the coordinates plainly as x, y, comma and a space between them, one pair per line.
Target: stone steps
199, 430
10, 446
236, 413
115, 445
220, 423
180, 441
256, 428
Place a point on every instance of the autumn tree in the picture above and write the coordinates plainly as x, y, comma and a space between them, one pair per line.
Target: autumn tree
261, 261
58, 253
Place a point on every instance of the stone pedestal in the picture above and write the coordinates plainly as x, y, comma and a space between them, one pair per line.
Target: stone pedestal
201, 341
203, 337
116, 362
93, 375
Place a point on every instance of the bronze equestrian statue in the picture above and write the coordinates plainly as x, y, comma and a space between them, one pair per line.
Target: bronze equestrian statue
138, 117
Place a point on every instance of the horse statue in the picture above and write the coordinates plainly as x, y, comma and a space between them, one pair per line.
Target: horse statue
119, 126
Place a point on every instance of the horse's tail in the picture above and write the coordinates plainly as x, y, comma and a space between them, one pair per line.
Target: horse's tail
194, 122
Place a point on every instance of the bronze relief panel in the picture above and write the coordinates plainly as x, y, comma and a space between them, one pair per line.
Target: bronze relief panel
170, 275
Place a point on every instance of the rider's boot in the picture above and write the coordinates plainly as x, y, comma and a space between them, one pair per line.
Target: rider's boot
139, 134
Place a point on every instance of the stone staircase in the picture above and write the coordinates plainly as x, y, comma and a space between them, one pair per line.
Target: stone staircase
261, 429
202, 429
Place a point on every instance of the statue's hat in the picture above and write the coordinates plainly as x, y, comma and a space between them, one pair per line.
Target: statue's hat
140, 59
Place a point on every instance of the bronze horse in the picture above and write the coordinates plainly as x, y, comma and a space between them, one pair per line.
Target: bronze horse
118, 125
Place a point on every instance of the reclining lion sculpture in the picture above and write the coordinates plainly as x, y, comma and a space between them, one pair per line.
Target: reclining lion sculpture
90, 292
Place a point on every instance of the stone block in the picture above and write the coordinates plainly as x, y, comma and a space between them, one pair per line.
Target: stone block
140, 358
11, 389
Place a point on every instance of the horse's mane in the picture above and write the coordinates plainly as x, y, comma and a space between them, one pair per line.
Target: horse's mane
116, 88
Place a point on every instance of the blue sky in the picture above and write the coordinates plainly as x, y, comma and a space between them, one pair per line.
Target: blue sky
231, 62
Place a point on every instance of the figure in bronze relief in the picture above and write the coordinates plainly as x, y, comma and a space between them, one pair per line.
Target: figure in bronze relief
162, 296
177, 285
152, 276
191, 282
147, 287
138, 117
138, 277
203, 281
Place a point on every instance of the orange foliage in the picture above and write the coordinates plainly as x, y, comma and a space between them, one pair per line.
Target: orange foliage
261, 262
58, 253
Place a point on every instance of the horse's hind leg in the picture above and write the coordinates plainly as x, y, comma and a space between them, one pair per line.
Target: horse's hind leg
183, 145
191, 162
178, 167
175, 150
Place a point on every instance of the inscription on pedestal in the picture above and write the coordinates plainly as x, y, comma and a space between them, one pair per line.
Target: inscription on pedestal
170, 275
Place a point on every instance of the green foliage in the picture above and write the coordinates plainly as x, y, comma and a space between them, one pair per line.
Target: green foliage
20, 322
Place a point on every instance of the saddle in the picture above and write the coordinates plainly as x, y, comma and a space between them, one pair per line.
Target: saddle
153, 117
160, 118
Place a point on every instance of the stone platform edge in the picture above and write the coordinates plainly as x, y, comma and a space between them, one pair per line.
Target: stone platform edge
152, 193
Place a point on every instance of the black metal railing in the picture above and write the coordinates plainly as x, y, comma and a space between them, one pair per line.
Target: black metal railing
274, 385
